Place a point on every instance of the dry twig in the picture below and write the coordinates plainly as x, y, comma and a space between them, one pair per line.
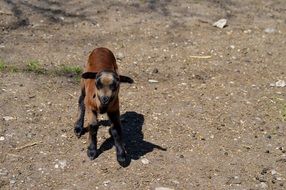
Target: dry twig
27, 145
201, 56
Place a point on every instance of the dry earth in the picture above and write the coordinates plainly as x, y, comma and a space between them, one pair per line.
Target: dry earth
220, 118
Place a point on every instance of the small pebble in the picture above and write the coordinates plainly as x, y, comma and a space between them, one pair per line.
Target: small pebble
273, 172
279, 83
63, 163
120, 55
7, 118
105, 183
270, 30
263, 185
220, 23
2, 138
145, 161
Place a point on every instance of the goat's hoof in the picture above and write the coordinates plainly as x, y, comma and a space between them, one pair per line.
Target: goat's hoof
121, 158
79, 131
91, 153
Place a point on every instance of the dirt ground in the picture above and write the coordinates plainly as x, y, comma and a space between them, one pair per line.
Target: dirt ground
220, 118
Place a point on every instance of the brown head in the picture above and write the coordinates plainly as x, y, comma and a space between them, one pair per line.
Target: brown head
107, 86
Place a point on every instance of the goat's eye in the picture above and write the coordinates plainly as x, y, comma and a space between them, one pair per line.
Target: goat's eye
98, 85
113, 86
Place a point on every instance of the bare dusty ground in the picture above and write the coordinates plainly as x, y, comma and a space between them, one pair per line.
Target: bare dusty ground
219, 117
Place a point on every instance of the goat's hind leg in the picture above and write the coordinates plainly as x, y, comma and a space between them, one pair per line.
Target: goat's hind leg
79, 130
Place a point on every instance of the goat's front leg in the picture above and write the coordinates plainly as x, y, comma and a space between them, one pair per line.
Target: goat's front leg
116, 133
93, 128
79, 130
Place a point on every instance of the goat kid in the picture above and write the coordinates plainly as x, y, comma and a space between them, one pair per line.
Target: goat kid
99, 95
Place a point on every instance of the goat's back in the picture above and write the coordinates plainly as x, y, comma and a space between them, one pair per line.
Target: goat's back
101, 59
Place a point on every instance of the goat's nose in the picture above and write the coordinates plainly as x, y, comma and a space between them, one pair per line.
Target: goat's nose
105, 99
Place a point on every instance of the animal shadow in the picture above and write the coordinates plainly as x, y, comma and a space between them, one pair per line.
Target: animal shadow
132, 124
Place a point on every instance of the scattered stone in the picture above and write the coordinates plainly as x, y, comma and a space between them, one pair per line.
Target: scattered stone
220, 23
273, 172
152, 81
155, 70
163, 188
145, 161
247, 31
279, 83
3, 172
105, 183
263, 185
63, 163
120, 56
8, 118
270, 30
12, 181
2, 138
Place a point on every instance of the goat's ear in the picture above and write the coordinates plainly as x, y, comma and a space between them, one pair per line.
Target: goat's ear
89, 75
126, 79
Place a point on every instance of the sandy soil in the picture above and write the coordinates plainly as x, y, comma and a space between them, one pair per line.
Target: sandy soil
220, 118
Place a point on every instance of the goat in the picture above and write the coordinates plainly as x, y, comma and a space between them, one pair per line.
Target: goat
99, 95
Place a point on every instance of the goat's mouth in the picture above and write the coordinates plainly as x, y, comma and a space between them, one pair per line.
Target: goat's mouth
105, 100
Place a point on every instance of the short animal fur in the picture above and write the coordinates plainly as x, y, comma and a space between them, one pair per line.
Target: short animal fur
100, 85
